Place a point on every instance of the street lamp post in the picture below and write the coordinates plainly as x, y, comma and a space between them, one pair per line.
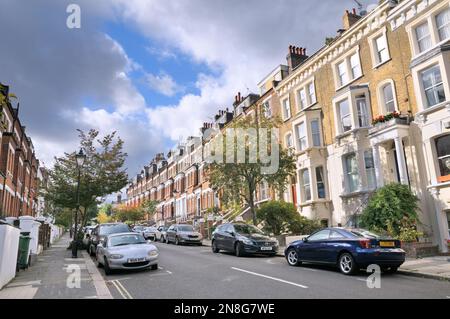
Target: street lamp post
80, 158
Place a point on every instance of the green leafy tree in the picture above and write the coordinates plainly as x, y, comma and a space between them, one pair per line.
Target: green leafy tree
149, 208
103, 173
131, 214
281, 217
390, 209
238, 181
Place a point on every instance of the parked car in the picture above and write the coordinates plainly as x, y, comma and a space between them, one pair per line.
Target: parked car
242, 239
348, 249
161, 233
138, 229
126, 251
100, 232
149, 233
183, 234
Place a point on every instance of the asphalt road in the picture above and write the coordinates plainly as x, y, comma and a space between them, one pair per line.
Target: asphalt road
195, 272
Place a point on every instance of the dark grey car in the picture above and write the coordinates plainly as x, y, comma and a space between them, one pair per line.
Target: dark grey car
101, 231
183, 234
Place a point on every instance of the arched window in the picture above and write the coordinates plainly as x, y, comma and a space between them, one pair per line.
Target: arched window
443, 157
387, 97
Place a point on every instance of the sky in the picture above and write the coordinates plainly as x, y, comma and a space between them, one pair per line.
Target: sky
152, 70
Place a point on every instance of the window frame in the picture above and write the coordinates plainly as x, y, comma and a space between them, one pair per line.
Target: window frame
301, 138
441, 178
348, 173
286, 103
433, 86
345, 61
322, 182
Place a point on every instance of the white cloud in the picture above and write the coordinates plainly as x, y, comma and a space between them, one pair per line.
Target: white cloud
241, 41
163, 83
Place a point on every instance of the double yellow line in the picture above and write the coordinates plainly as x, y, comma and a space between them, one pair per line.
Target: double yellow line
121, 289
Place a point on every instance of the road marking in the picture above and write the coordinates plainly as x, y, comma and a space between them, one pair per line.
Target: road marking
24, 283
125, 294
269, 277
169, 272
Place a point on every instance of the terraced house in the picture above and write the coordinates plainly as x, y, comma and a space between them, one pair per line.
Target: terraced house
18, 164
369, 108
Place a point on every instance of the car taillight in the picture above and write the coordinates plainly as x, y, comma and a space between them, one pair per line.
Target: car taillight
365, 243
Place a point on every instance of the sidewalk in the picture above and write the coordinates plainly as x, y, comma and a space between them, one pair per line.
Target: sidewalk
437, 267
48, 278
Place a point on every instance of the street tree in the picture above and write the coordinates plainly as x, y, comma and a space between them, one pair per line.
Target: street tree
124, 213
237, 180
149, 208
103, 173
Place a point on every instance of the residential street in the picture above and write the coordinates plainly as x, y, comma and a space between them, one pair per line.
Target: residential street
195, 272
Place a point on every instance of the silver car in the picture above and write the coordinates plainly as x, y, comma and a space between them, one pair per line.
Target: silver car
126, 251
150, 233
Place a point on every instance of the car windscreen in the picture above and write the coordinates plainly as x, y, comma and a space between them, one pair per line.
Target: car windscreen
111, 229
185, 228
129, 239
150, 229
247, 229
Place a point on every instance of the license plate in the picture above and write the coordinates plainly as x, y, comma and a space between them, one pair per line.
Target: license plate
266, 248
135, 260
387, 244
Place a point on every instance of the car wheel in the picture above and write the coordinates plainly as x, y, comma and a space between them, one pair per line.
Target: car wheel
154, 267
238, 250
161, 239
108, 270
347, 264
214, 247
167, 240
293, 258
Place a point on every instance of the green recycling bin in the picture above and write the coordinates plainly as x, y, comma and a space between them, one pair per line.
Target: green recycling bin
24, 244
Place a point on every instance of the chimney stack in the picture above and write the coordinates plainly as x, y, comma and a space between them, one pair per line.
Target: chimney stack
295, 57
350, 18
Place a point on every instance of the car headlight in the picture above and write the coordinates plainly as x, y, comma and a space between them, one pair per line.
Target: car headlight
247, 241
153, 253
115, 256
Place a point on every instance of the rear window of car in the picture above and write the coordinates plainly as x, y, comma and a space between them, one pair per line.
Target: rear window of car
111, 229
364, 233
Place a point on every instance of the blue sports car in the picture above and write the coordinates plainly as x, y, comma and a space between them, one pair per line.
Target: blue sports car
349, 249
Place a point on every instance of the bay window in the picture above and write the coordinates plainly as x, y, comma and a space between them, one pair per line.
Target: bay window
423, 37
351, 172
345, 115
320, 182
443, 24
432, 86
370, 169
363, 112
315, 132
443, 156
306, 184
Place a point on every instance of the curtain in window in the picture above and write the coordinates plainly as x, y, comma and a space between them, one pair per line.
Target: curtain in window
388, 95
423, 37
315, 132
306, 185
351, 171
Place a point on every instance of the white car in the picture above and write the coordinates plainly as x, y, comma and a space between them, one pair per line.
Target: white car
150, 233
126, 251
